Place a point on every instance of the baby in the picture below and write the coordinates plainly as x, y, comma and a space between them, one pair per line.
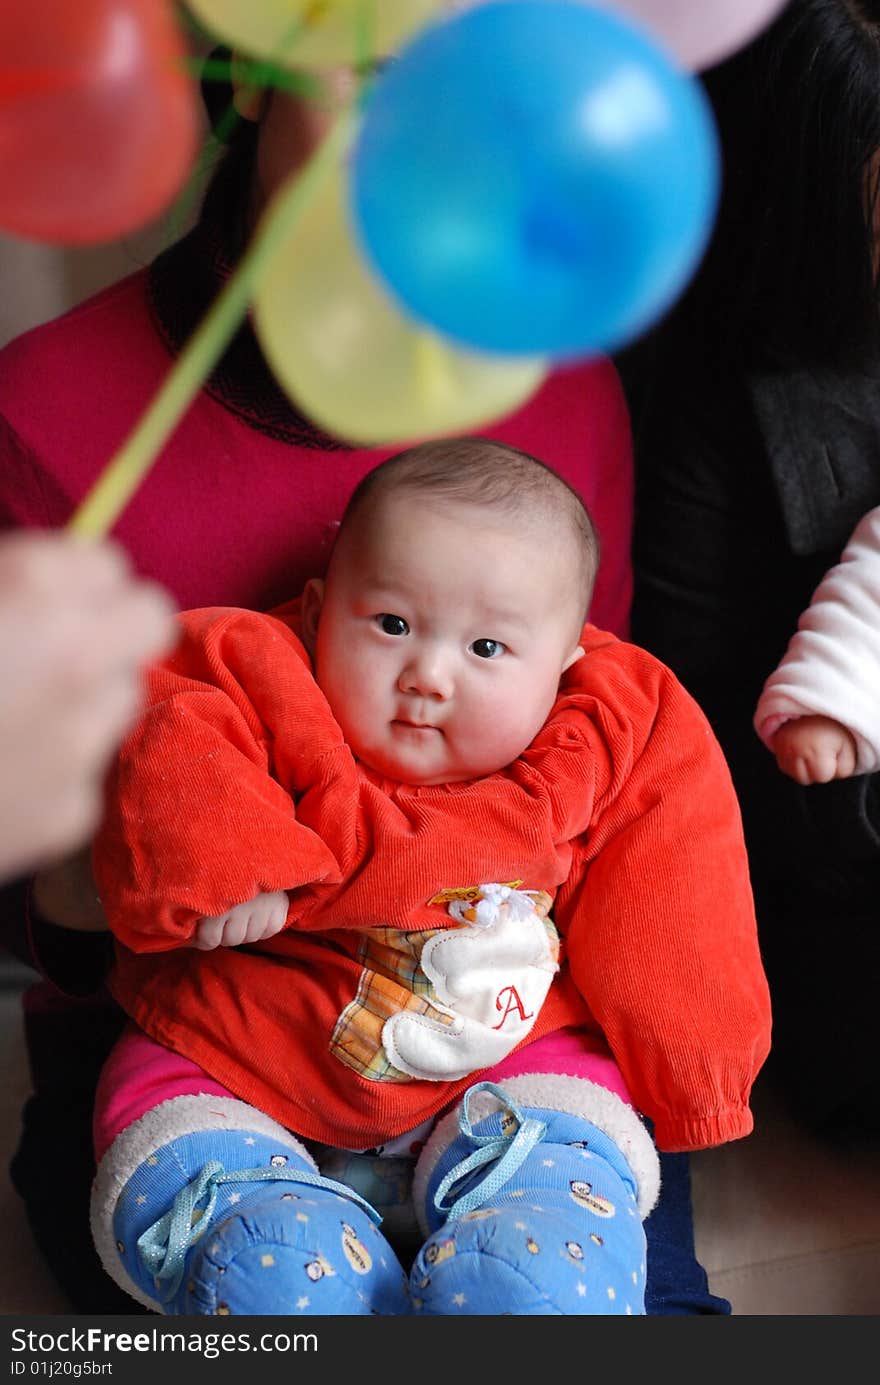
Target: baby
819, 711
330, 852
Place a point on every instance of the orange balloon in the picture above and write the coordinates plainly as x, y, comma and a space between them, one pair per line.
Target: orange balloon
99, 120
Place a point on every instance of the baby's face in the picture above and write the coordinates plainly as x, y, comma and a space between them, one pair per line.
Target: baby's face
442, 636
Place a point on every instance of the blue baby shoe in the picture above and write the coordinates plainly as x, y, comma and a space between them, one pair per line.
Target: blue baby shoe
235, 1221
531, 1211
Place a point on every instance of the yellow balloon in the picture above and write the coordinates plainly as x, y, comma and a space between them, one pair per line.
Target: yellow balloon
351, 361
313, 33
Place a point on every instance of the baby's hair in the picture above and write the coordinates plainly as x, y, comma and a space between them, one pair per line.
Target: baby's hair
480, 471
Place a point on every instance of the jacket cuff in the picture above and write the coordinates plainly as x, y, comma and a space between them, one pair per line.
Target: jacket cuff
676, 1135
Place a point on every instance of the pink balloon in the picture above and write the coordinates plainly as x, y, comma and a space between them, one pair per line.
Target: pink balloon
699, 33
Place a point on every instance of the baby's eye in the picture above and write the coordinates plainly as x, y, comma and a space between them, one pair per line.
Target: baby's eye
488, 649
392, 625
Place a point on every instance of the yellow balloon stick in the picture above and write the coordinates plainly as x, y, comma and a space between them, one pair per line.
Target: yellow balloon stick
106, 500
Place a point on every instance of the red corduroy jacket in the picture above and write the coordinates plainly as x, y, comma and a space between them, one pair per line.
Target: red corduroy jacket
238, 780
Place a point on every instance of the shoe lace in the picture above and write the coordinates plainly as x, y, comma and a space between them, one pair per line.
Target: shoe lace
505, 1153
162, 1248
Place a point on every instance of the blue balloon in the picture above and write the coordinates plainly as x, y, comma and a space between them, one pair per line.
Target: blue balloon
535, 177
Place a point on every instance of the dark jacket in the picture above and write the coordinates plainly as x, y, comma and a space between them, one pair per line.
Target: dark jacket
747, 489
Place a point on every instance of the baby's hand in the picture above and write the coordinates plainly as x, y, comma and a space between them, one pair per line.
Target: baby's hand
815, 750
252, 922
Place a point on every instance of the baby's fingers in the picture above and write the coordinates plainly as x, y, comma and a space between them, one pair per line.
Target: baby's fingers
269, 919
221, 930
209, 933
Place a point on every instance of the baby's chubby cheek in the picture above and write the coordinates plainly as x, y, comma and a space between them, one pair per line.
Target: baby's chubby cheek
502, 735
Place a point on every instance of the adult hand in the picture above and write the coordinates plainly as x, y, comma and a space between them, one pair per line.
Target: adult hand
75, 628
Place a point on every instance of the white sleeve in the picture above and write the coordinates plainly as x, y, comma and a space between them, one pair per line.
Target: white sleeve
832, 664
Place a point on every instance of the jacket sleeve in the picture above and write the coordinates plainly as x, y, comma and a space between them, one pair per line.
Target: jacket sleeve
201, 801
832, 665
657, 914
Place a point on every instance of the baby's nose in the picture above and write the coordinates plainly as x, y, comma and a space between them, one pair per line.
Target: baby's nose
427, 674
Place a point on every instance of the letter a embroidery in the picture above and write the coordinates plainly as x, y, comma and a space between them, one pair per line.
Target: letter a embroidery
513, 1003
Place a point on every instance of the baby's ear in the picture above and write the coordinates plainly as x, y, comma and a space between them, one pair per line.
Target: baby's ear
576, 653
310, 612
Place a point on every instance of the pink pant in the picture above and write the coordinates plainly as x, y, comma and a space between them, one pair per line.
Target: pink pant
140, 1073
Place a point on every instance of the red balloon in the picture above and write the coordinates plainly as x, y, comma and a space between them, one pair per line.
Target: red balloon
99, 120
